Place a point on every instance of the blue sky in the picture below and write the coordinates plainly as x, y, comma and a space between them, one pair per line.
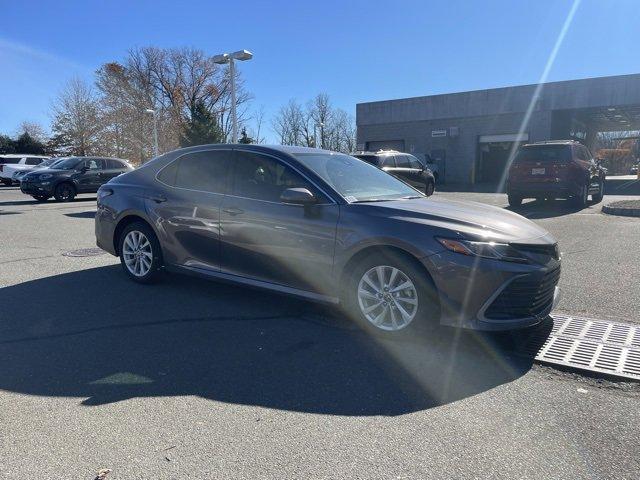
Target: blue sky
353, 50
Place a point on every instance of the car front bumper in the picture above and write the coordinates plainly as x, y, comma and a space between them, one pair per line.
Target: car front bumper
36, 188
474, 292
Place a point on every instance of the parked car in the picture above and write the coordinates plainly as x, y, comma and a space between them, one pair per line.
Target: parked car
14, 162
402, 165
18, 174
71, 176
329, 227
555, 169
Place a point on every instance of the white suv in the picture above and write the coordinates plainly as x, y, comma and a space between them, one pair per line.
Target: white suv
9, 164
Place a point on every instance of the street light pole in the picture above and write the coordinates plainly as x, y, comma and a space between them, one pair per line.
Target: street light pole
234, 115
156, 151
225, 58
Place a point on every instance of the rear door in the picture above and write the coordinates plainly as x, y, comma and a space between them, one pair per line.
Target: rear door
408, 172
112, 169
186, 203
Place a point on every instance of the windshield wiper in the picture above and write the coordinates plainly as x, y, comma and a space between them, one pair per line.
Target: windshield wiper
367, 200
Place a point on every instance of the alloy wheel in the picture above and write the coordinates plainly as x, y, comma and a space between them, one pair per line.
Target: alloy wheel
387, 297
137, 253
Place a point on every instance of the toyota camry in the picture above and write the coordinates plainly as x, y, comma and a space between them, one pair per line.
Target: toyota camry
333, 228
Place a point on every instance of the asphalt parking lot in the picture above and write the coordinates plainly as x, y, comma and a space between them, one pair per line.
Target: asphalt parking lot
192, 379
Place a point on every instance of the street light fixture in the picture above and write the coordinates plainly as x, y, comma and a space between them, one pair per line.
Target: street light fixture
155, 131
230, 58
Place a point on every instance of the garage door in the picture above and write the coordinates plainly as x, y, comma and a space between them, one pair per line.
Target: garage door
386, 145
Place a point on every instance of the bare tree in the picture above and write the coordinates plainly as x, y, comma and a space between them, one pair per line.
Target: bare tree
76, 118
319, 124
34, 130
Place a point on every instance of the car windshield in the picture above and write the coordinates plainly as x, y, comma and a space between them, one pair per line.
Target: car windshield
68, 163
355, 180
544, 154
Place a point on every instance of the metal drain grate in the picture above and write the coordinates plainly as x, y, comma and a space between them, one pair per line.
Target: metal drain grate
595, 345
84, 252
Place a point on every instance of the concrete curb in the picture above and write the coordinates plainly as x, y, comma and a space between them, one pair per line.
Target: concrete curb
614, 209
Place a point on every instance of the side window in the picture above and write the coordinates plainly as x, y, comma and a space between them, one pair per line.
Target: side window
34, 161
93, 164
115, 165
402, 161
263, 178
205, 171
414, 162
582, 153
167, 175
388, 161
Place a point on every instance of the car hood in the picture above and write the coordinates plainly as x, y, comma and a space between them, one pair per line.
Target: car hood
469, 219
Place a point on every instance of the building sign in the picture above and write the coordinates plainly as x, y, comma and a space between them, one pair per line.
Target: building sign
438, 133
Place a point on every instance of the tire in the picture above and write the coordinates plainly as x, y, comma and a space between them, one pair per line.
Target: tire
597, 197
410, 311
514, 201
134, 264
581, 199
41, 198
429, 189
65, 192
7, 183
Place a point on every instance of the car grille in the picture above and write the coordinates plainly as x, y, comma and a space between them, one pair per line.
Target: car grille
524, 297
551, 250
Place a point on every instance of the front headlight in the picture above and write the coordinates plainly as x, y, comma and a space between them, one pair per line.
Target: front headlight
44, 176
496, 251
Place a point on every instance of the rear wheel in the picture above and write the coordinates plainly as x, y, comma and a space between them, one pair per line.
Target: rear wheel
581, 199
597, 197
430, 189
65, 192
514, 200
390, 295
140, 253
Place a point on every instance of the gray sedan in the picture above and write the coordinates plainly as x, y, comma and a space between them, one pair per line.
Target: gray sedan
329, 227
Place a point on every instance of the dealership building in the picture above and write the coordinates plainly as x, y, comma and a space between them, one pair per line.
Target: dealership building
469, 135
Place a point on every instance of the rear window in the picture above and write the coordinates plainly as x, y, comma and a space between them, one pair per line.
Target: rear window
544, 154
9, 160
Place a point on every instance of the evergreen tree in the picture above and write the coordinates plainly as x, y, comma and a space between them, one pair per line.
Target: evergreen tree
25, 143
244, 138
202, 128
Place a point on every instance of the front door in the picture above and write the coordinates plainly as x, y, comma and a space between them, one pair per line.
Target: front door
89, 175
265, 239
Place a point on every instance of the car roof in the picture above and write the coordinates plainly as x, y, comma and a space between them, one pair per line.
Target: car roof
21, 155
552, 142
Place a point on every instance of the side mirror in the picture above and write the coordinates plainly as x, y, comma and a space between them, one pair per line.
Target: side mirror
298, 196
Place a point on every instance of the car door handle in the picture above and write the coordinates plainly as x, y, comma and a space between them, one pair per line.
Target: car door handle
233, 211
158, 198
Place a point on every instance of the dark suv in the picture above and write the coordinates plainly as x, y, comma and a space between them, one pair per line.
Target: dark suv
72, 176
404, 166
555, 169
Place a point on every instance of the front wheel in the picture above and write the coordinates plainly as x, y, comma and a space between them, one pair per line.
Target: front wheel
140, 253
514, 200
65, 192
390, 295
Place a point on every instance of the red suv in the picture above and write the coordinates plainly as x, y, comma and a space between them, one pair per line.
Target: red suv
555, 169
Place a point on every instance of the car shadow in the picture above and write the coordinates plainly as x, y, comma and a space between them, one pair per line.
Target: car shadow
88, 214
547, 209
95, 335
35, 202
